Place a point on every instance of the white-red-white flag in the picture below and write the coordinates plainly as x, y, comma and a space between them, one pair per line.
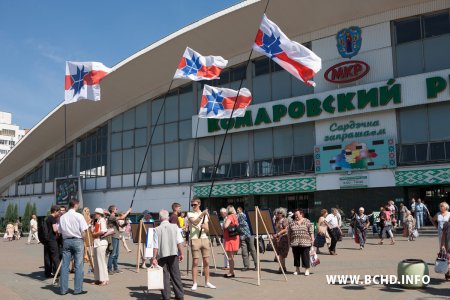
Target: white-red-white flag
218, 103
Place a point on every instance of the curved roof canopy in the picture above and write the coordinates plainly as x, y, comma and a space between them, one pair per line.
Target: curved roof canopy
147, 74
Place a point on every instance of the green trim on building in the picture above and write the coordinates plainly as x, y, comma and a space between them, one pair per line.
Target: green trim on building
291, 185
422, 177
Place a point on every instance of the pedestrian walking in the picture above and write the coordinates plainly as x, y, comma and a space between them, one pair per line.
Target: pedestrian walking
441, 218
403, 209
72, 227
281, 237
333, 230
51, 247
17, 229
198, 229
385, 217
322, 231
361, 225
231, 238
445, 243
223, 216
100, 244
33, 230
410, 225
247, 240
168, 253
9, 234
301, 237
419, 211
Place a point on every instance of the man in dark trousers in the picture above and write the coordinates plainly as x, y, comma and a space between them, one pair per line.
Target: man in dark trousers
51, 247
167, 244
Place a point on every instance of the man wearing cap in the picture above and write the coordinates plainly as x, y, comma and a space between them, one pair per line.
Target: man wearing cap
168, 253
113, 222
72, 227
100, 245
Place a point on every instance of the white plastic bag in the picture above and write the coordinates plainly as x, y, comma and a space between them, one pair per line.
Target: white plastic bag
155, 278
314, 258
350, 231
415, 233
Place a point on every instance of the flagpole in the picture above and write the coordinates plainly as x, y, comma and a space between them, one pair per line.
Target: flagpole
150, 142
215, 166
65, 125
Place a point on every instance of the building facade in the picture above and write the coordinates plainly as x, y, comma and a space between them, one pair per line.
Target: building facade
374, 128
10, 134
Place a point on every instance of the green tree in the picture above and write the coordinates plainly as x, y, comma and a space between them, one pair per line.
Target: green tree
9, 215
33, 210
16, 212
26, 218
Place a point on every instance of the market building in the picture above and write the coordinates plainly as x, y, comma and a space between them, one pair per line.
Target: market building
374, 128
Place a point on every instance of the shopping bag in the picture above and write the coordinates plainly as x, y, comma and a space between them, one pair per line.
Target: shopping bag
314, 258
415, 233
357, 238
441, 264
350, 231
155, 278
319, 241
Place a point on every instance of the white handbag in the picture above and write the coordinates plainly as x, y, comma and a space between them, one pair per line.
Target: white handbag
155, 278
441, 264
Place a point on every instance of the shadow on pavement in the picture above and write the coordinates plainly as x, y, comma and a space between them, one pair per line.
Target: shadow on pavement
39, 275
140, 292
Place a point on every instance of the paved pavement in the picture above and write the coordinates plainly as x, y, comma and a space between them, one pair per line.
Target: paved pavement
21, 275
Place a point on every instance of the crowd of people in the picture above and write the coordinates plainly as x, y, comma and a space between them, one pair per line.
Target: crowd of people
65, 234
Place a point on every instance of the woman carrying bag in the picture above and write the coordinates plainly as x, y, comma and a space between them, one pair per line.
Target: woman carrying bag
231, 237
445, 244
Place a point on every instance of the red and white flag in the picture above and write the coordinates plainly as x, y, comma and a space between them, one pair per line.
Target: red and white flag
196, 67
218, 103
291, 56
83, 80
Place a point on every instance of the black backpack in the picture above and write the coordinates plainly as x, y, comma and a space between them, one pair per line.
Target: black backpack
43, 231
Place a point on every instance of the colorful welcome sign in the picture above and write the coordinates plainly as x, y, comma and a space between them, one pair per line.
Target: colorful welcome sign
355, 156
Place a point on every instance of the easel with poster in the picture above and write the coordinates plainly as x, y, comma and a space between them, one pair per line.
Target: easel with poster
258, 220
139, 231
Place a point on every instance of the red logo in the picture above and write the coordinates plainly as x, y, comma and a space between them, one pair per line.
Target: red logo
347, 71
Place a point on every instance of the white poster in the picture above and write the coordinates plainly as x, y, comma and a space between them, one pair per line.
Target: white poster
149, 243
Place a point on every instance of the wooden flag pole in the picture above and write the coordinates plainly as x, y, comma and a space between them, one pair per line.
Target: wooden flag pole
271, 242
57, 272
257, 249
141, 224
213, 256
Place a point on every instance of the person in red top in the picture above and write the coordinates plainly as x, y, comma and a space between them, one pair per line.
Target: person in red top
231, 237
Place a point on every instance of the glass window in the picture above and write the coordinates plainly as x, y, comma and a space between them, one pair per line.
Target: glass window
226, 152
142, 115
206, 151
116, 123
436, 53
116, 141
409, 59
158, 158
238, 73
116, 163
205, 173
263, 168
239, 149
171, 156
188, 105
416, 118
224, 78
421, 152
447, 150
437, 151
282, 141
309, 163
436, 24
171, 132
185, 130
281, 85
171, 108
299, 88
156, 108
261, 66
304, 138
140, 137
263, 144
408, 153
408, 30
128, 120
282, 165
239, 170
158, 135
128, 161
139, 154
128, 139
186, 153
261, 91
223, 171
298, 164
439, 121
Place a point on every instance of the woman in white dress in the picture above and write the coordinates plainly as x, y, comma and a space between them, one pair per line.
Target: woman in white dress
100, 245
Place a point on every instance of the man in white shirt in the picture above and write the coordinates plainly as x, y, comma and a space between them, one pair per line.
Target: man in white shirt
333, 228
168, 253
72, 227
33, 230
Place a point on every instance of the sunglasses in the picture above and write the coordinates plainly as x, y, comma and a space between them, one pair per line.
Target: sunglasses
194, 205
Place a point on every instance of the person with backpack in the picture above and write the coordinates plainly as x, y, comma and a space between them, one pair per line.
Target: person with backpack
33, 230
50, 241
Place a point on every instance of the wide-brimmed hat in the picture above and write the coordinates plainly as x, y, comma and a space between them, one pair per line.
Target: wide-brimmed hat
99, 211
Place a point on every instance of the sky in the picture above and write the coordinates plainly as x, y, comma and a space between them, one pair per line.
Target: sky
37, 37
